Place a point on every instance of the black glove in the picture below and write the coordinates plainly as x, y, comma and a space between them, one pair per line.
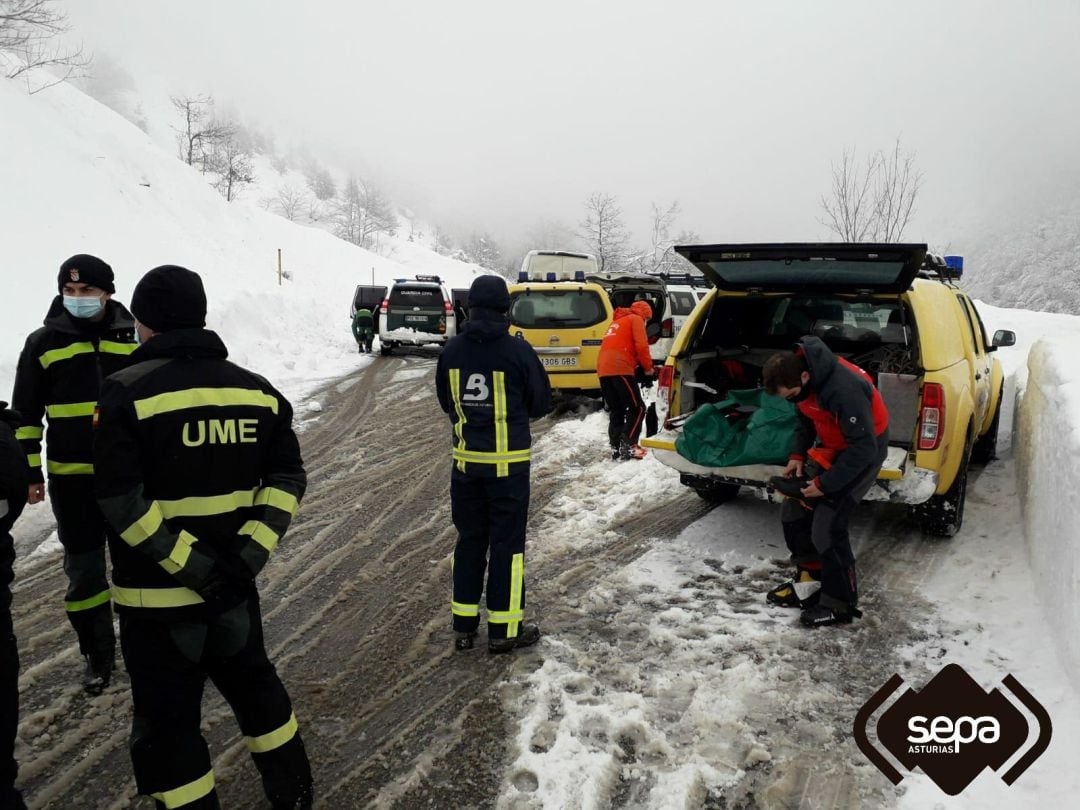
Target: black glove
230, 583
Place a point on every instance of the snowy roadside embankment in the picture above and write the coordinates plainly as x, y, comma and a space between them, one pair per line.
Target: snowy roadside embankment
1048, 465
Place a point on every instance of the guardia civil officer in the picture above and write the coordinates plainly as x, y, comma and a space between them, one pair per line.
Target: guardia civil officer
199, 475
87, 335
491, 384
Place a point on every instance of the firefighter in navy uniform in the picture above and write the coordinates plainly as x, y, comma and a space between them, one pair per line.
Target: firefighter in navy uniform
14, 483
199, 475
491, 384
86, 337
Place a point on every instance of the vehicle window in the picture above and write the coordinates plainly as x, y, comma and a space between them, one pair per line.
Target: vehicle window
682, 303
626, 297
837, 319
971, 324
569, 309
428, 297
979, 323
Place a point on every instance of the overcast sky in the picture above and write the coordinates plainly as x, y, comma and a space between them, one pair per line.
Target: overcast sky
496, 114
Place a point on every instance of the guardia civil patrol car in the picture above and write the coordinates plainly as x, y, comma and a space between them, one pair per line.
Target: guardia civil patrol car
415, 312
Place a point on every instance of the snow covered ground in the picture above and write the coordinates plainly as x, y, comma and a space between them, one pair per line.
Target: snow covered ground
677, 704
675, 692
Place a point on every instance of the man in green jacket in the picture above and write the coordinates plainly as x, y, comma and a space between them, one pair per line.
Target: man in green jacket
363, 329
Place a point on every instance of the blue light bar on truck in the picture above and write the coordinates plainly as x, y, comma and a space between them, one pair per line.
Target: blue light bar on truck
523, 275
579, 275
956, 264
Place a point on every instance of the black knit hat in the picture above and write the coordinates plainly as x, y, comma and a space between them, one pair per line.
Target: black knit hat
169, 297
489, 292
86, 269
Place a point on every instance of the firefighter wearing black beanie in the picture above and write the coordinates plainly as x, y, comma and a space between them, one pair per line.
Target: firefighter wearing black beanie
199, 474
170, 297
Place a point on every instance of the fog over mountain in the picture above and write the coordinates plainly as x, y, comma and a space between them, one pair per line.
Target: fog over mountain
497, 117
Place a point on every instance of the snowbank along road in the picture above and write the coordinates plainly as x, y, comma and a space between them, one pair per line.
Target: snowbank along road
356, 612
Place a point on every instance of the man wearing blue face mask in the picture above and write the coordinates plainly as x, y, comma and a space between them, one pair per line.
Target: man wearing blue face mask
86, 337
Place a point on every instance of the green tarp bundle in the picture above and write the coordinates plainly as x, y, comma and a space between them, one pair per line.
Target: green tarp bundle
749, 427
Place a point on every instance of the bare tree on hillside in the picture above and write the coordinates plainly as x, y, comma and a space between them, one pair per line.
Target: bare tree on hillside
29, 29
200, 131
482, 249
441, 241
362, 213
289, 201
319, 181
603, 230
897, 186
872, 201
661, 256
232, 164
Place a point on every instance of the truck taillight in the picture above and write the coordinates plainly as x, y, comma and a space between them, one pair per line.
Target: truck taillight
663, 383
932, 416
667, 328
447, 307
385, 305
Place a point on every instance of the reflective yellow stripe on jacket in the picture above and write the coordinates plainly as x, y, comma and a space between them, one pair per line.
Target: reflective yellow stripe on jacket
459, 428
66, 468
155, 597
70, 409
65, 353
201, 398
502, 430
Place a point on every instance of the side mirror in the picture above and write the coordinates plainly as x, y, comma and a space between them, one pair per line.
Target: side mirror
1004, 337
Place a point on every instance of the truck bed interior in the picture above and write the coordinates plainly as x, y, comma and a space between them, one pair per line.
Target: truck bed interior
740, 333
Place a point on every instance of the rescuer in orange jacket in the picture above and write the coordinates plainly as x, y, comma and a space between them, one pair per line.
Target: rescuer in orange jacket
625, 347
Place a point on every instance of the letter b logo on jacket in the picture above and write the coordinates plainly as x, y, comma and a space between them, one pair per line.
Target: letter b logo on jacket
476, 389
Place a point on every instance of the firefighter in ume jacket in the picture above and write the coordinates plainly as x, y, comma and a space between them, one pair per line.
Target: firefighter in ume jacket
199, 475
86, 337
491, 384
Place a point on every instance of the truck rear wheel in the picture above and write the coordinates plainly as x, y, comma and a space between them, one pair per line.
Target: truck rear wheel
386, 348
943, 515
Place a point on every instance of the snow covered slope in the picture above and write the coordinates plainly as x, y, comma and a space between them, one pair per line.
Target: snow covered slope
78, 178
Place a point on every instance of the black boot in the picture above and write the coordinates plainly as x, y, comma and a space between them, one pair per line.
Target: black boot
821, 616
527, 635
98, 673
465, 641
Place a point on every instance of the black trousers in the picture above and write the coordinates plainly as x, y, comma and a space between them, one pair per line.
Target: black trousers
490, 515
169, 664
626, 410
819, 537
81, 528
9, 675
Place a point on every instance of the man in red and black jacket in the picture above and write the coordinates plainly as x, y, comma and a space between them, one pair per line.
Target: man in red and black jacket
841, 441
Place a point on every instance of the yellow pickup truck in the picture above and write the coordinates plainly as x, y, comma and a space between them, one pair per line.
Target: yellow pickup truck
892, 310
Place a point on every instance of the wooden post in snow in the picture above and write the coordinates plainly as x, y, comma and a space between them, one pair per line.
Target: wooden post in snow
279, 266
